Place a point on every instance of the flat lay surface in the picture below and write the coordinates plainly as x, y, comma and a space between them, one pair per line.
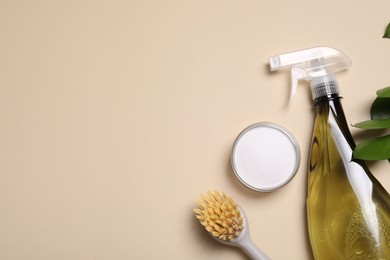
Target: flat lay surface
117, 115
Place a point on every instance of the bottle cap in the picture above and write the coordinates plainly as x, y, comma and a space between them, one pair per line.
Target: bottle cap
265, 156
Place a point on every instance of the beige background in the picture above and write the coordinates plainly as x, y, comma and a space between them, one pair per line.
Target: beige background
116, 115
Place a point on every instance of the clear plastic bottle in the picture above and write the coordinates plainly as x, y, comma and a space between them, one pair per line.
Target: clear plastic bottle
348, 210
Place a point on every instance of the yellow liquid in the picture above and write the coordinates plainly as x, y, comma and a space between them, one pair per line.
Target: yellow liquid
348, 210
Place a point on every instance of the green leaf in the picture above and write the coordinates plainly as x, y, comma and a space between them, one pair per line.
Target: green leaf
380, 108
375, 149
374, 124
387, 32
383, 93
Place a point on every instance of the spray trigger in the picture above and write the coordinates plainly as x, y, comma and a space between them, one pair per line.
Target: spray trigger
296, 75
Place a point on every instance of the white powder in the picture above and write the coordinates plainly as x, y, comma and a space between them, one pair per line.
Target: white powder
265, 156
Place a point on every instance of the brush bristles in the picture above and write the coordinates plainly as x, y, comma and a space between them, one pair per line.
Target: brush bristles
220, 215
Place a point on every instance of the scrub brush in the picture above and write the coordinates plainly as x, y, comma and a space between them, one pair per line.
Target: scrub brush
227, 223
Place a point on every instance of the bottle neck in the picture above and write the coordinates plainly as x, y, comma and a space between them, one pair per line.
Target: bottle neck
332, 104
329, 98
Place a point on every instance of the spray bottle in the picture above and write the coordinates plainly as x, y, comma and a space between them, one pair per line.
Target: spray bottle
348, 210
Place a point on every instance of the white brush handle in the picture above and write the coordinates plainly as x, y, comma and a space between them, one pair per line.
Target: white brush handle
252, 250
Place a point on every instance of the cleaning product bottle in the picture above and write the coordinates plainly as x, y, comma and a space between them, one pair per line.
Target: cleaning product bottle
348, 210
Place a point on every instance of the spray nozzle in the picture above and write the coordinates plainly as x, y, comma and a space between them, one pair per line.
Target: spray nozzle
316, 65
